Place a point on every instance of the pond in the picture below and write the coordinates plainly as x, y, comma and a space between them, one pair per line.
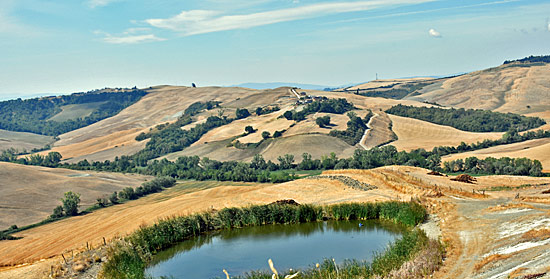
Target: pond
289, 246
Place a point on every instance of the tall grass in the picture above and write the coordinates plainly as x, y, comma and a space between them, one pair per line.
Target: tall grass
129, 257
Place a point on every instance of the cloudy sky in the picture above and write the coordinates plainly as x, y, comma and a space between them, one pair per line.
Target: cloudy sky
61, 46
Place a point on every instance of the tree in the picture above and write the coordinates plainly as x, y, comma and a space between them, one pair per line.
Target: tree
265, 134
288, 115
70, 203
249, 129
242, 113
323, 121
277, 134
285, 162
259, 111
57, 212
113, 198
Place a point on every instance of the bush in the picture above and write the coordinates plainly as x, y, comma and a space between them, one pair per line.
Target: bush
242, 113
70, 203
265, 134
57, 212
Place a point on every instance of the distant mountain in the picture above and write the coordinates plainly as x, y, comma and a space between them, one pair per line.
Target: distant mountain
271, 85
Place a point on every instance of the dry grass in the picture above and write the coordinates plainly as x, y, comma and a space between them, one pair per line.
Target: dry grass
413, 134
381, 131
28, 194
491, 259
537, 149
22, 141
504, 89
386, 82
537, 234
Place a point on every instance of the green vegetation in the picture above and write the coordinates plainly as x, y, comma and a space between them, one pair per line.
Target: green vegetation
33, 115
266, 110
323, 121
337, 106
393, 91
70, 203
355, 130
490, 165
129, 257
473, 120
197, 107
531, 59
242, 113
509, 137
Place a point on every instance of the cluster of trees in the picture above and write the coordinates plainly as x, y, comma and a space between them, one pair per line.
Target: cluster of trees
154, 186
355, 129
323, 121
531, 59
266, 110
197, 107
52, 159
194, 167
70, 203
511, 136
242, 113
473, 120
337, 106
501, 166
32, 115
393, 91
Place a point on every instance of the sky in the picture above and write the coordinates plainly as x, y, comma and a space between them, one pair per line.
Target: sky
64, 46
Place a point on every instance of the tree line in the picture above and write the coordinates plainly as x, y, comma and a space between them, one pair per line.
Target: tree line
473, 120
355, 128
32, 115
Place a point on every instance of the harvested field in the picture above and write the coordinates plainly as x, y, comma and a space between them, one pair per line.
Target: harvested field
538, 149
268, 122
71, 112
23, 141
414, 133
381, 130
28, 194
507, 88
385, 82
308, 126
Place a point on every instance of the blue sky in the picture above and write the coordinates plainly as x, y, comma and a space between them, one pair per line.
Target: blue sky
63, 46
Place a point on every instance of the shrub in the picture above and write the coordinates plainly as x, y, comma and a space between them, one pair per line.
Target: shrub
70, 203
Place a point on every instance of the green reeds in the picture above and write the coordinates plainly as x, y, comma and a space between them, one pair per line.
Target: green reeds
129, 257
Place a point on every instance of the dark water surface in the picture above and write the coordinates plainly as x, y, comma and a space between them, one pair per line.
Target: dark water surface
289, 246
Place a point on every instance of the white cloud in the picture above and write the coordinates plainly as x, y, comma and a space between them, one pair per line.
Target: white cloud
205, 21
548, 24
129, 37
434, 33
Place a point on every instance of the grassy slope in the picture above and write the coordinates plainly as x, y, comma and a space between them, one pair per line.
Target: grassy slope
21, 140
28, 194
71, 112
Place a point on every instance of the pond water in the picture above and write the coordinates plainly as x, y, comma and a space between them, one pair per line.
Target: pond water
289, 246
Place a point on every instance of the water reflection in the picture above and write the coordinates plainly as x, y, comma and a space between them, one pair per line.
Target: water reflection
290, 246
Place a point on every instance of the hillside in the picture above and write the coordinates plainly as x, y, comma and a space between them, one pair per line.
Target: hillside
413, 133
29, 193
517, 88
